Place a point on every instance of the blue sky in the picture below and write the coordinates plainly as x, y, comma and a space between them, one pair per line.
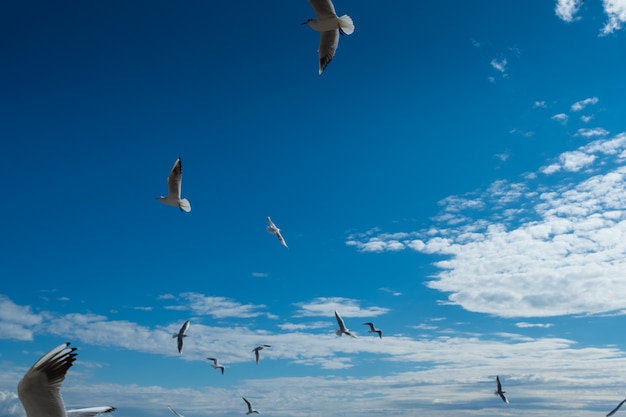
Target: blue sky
456, 176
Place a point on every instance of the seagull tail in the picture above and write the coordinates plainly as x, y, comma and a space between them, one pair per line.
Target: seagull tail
185, 206
345, 22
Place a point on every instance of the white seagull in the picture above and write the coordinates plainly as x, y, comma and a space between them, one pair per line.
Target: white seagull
175, 412
271, 228
329, 26
616, 408
40, 388
499, 390
250, 409
180, 335
216, 365
342, 326
374, 329
256, 351
174, 183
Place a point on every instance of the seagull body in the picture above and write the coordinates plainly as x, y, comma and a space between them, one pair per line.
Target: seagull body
342, 327
180, 335
216, 365
616, 408
271, 228
250, 409
89, 412
374, 329
256, 351
40, 388
174, 183
330, 26
499, 390
175, 412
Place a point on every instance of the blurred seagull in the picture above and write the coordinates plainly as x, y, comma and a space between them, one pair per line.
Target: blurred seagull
40, 388
89, 412
271, 228
175, 412
256, 351
616, 408
250, 409
329, 26
180, 335
342, 326
499, 390
374, 329
174, 182
216, 365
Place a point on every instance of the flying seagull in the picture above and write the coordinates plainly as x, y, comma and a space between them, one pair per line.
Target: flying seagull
216, 365
499, 390
174, 182
616, 408
342, 326
374, 329
180, 335
175, 412
40, 388
256, 351
271, 228
329, 26
250, 409
89, 412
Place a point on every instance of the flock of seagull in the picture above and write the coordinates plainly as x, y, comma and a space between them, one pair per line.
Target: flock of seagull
40, 388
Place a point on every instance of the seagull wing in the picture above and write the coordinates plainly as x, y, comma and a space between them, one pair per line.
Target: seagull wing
504, 398
369, 323
180, 343
616, 408
175, 179
499, 385
184, 328
323, 8
214, 360
329, 40
174, 412
281, 239
342, 325
270, 223
256, 355
248, 403
89, 412
40, 388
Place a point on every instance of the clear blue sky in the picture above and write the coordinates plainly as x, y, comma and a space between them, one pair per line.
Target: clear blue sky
456, 176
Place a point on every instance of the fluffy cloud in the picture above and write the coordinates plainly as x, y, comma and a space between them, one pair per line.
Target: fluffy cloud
566, 9
616, 13
536, 248
17, 322
579, 105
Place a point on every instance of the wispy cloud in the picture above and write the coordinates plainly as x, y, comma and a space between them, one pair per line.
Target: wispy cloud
590, 133
347, 307
17, 322
561, 118
616, 13
540, 104
524, 325
499, 64
218, 307
579, 105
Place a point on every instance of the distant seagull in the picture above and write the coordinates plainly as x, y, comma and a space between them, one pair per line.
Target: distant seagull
499, 390
174, 182
271, 228
374, 329
342, 326
180, 335
175, 412
89, 412
329, 26
40, 388
256, 351
250, 409
216, 365
616, 408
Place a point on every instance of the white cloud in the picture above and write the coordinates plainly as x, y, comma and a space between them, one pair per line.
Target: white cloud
586, 119
218, 307
540, 104
566, 9
579, 105
537, 249
561, 118
616, 12
260, 274
347, 307
499, 64
589, 133
523, 325
17, 322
